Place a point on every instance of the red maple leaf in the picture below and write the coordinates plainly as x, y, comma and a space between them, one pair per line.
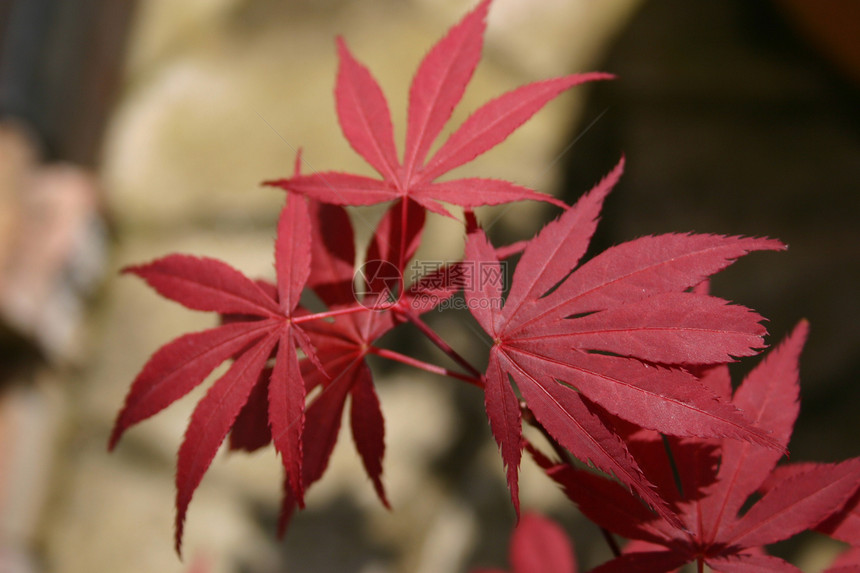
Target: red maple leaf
605, 335
708, 493
844, 525
600, 355
265, 323
436, 89
538, 546
342, 348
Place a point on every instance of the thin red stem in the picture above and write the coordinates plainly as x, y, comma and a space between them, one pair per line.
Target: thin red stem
439, 342
329, 314
408, 360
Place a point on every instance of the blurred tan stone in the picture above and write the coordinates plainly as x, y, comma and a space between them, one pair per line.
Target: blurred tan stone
227, 107
162, 27
542, 38
117, 514
31, 419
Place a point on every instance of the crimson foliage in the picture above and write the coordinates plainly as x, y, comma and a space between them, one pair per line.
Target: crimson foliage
608, 357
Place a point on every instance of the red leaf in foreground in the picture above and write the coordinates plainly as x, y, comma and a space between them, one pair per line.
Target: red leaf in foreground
845, 523
744, 563
322, 425
363, 114
292, 252
797, 498
178, 367
770, 396
251, 430
503, 412
638, 312
286, 411
493, 122
342, 347
651, 562
332, 254
201, 283
605, 498
211, 421
259, 322
539, 546
440, 82
397, 235
796, 504
436, 89
640, 268
368, 427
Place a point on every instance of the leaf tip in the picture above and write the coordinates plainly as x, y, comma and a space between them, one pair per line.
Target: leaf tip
115, 435
284, 519
483, 9
802, 329
179, 530
343, 54
297, 164
280, 183
763, 244
131, 270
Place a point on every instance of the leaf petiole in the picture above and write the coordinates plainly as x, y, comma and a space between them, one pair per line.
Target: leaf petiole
439, 342
328, 314
426, 366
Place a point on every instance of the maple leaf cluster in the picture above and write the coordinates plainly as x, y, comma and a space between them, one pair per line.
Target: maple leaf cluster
709, 485
607, 357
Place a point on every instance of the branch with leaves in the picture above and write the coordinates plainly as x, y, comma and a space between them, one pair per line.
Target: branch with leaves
619, 359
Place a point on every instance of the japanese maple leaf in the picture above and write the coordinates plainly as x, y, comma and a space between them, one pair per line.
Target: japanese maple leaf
844, 524
436, 89
605, 335
709, 498
342, 348
538, 546
265, 327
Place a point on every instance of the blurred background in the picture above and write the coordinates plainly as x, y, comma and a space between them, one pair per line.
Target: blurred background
130, 130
